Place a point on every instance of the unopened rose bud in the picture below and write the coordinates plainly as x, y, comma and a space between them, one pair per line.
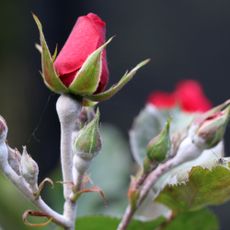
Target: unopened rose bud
211, 130
3, 129
81, 66
158, 148
88, 141
205, 132
29, 168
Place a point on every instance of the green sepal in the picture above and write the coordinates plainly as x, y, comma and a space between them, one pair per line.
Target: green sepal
87, 78
159, 146
55, 53
88, 142
49, 75
87, 103
117, 87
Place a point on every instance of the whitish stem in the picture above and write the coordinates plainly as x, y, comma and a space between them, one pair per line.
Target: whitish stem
19, 182
68, 110
187, 151
147, 185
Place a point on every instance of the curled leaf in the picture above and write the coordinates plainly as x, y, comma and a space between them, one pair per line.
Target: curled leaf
42, 185
87, 190
28, 213
70, 183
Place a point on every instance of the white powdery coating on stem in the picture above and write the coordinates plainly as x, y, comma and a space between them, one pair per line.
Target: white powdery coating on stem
3, 153
80, 165
19, 182
68, 110
187, 151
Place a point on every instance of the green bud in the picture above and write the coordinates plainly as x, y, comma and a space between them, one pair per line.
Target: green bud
88, 142
159, 146
212, 129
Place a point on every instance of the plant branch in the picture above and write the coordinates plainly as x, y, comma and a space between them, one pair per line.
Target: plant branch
68, 110
147, 185
19, 182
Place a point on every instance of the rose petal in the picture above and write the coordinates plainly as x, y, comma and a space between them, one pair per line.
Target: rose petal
162, 100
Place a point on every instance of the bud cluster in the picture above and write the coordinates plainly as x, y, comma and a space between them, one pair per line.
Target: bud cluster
22, 165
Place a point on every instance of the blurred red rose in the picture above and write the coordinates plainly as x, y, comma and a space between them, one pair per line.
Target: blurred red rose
188, 95
87, 35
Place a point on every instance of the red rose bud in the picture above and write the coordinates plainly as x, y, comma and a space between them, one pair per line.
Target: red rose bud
188, 95
81, 66
87, 35
211, 130
158, 148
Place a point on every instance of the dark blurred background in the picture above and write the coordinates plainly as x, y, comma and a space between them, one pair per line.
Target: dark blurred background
184, 39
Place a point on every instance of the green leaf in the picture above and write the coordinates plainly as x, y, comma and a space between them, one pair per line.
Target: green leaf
88, 77
203, 187
208, 159
202, 220
49, 75
117, 87
108, 223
